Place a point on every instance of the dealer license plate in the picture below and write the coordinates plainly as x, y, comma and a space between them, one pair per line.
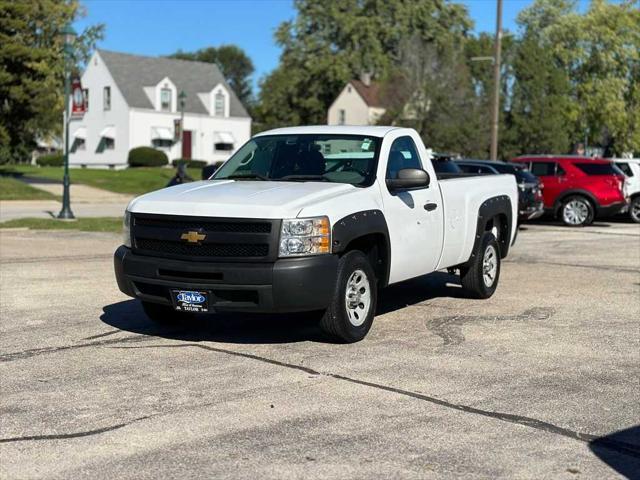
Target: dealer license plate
190, 301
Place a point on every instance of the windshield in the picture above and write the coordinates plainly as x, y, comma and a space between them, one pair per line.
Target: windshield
310, 157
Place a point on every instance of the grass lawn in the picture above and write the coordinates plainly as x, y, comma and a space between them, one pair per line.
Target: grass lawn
98, 224
129, 181
12, 189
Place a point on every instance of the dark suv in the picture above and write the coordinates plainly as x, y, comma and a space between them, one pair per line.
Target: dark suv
578, 189
530, 204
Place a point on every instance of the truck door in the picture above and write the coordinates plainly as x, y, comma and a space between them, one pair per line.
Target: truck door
414, 217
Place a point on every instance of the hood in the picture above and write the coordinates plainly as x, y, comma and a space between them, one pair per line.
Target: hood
238, 198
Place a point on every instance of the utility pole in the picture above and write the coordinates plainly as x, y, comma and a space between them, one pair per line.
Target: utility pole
495, 116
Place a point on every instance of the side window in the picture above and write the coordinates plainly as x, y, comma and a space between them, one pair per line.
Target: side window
403, 154
559, 170
543, 169
625, 168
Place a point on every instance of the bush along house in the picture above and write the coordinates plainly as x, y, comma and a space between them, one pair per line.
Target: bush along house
133, 101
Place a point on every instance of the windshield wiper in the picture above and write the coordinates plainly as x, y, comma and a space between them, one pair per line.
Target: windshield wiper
294, 178
248, 175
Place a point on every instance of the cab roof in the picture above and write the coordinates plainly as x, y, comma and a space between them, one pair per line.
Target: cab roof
369, 131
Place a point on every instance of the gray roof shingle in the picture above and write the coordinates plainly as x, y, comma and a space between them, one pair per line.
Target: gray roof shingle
134, 72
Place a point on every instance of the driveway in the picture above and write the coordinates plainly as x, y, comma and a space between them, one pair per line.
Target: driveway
540, 381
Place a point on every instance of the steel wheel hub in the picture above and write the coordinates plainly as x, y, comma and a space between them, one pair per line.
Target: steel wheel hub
358, 298
575, 212
489, 265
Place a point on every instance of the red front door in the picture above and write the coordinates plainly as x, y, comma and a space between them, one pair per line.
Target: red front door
186, 144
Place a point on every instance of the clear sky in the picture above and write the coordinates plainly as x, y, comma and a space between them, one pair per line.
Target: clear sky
160, 27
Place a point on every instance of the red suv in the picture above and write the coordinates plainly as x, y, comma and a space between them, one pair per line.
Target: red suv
578, 189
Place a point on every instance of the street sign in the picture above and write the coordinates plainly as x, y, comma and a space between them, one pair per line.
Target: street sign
78, 105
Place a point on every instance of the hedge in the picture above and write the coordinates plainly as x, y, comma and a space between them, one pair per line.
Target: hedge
147, 157
50, 160
190, 163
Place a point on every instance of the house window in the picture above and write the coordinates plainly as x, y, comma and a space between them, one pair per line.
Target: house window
218, 107
223, 142
222, 147
106, 143
106, 98
85, 96
78, 144
342, 116
165, 99
161, 143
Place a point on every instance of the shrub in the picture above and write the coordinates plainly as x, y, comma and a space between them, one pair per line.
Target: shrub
147, 157
190, 163
50, 160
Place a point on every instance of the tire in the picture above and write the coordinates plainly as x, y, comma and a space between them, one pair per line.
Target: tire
345, 321
634, 209
163, 314
473, 278
576, 211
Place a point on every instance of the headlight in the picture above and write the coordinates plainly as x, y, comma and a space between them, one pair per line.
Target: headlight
305, 236
126, 229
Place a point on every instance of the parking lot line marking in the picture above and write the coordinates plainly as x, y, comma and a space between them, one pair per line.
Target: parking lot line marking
622, 447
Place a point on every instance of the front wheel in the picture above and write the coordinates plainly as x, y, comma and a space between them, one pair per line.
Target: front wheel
634, 209
350, 314
577, 211
480, 277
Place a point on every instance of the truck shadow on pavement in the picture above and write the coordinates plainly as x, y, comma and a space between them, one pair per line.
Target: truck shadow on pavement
244, 328
620, 450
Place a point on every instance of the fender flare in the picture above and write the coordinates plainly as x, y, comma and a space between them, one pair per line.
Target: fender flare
499, 205
358, 225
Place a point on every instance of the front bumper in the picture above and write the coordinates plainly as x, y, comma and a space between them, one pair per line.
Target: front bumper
286, 285
532, 212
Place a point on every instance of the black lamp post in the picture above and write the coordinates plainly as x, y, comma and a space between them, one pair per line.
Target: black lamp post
69, 36
181, 98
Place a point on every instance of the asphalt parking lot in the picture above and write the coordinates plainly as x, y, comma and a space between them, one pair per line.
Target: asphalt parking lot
540, 381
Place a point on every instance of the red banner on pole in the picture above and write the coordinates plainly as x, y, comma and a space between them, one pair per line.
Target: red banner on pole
78, 102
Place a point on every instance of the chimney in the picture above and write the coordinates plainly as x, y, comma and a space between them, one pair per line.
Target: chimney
365, 78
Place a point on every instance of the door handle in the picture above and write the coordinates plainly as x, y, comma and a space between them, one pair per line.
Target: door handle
429, 207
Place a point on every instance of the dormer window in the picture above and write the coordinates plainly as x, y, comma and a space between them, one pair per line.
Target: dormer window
165, 99
218, 108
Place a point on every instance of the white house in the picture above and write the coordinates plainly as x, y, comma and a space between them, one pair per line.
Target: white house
358, 103
133, 101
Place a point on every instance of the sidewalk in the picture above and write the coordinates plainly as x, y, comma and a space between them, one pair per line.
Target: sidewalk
85, 202
81, 193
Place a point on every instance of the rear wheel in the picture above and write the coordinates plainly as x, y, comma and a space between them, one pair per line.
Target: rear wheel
577, 211
480, 277
634, 209
353, 306
164, 314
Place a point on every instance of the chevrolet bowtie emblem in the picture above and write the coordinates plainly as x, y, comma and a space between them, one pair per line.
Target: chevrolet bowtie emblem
193, 237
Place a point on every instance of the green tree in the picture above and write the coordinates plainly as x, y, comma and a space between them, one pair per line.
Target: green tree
31, 70
233, 62
432, 91
331, 42
600, 53
542, 112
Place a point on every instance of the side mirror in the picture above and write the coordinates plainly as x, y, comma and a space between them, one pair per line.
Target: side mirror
408, 179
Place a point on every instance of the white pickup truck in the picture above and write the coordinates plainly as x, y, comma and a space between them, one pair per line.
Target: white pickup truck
314, 218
